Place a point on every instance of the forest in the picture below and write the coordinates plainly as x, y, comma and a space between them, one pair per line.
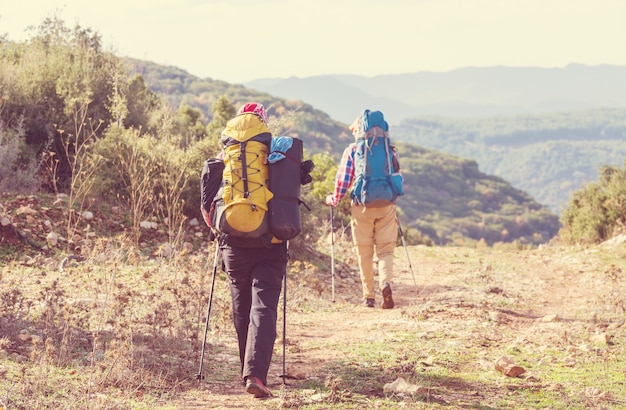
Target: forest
548, 156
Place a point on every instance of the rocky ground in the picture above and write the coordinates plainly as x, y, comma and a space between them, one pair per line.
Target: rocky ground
472, 328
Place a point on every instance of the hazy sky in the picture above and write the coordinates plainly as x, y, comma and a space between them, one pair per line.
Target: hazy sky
241, 40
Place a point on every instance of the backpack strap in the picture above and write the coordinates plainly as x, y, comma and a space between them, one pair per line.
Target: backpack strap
389, 155
244, 171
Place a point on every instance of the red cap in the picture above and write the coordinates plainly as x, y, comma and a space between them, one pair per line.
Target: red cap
254, 108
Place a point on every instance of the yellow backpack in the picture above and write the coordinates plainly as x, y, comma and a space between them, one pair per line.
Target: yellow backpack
240, 211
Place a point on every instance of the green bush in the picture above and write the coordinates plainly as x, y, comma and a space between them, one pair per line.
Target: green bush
18, 171
597, 210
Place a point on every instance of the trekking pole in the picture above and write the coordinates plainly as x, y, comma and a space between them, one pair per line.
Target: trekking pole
199, 376
406, 250
332, 253
284, 375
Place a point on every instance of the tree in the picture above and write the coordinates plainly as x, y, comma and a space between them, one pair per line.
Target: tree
141, 103
597, 210
190, 125
47, 79
223, 110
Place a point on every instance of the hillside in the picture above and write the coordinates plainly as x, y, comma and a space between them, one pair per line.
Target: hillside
447, 199
549, 156
450, 200
176, 86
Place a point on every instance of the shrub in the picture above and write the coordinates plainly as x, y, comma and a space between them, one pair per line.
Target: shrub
597, 210
18, 172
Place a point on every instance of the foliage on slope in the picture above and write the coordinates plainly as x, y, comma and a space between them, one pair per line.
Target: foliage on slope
597, 211
482, 207
549, 156
116, 134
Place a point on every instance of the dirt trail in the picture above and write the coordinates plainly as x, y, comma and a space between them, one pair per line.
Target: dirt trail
485, 298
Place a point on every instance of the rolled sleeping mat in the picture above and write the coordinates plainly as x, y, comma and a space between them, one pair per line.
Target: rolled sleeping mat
284, 207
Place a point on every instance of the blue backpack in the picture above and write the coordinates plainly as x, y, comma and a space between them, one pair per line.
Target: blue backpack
377, 181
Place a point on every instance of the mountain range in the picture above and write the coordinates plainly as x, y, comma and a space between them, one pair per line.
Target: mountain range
465, 92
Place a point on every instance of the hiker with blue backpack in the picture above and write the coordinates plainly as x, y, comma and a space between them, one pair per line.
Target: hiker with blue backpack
370, 170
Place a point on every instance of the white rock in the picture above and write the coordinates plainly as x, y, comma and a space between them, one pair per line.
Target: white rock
148, 225
88, 215
27, 210
52, 239
402, 386
600, 338
165, 250
4, 221
319, 397
194, 222
61, 198
616, 240
549, 318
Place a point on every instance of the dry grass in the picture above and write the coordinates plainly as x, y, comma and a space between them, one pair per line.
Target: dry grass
122, 330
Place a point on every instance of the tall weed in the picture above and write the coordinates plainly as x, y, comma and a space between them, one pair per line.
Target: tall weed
83, 165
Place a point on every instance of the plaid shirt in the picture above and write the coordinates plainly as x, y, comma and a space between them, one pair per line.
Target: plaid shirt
345, 176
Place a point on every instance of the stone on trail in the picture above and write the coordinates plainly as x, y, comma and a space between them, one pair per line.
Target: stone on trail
507, 366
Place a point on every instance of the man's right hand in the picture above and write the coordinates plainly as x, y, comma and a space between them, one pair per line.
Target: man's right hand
330, 200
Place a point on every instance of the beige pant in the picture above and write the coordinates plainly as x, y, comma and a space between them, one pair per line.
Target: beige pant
374, 230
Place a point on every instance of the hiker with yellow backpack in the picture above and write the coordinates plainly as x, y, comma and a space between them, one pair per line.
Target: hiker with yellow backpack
370, 170
250, 200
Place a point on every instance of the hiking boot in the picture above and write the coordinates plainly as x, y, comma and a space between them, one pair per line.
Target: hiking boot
255, 386
369, 303
387, 299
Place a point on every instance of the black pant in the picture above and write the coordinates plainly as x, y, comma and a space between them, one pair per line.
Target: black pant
256, 276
